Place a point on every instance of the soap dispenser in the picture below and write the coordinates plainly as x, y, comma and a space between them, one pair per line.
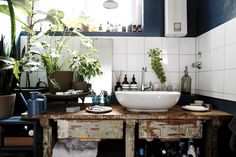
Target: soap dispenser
125, 84
133, 84
186, 82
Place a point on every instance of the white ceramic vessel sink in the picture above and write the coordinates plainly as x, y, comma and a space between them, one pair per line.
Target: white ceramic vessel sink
147, 101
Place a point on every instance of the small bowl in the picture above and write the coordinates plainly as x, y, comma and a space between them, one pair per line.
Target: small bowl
195, 104
199, 102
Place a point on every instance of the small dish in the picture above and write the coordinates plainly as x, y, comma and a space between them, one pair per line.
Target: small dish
195, 108
98, 109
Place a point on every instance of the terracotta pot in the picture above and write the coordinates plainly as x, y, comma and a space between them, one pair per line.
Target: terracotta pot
63, 78
82, 86
7, 103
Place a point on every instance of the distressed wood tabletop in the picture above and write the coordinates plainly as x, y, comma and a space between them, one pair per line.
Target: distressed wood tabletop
119, 112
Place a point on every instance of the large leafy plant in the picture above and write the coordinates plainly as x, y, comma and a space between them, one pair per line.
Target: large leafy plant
82, 62
85, 65
11, 60
27, 60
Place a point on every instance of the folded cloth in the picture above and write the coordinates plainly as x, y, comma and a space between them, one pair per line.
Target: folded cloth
74, 148
232, 127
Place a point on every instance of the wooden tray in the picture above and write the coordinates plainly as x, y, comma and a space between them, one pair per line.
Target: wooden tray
69, 96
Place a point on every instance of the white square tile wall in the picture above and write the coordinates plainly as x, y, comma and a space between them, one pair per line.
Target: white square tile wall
216, 78
131, 53
218, 74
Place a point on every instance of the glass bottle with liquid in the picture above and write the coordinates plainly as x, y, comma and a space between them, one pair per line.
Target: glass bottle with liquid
133, 84
125, 83
186, 82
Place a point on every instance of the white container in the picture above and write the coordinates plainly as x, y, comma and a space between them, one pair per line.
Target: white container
175, 18
191, 151
199, 102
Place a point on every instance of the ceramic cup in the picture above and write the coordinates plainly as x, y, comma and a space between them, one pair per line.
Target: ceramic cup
156, 87
198, 102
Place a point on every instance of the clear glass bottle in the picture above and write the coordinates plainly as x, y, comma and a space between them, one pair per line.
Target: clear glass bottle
186, 82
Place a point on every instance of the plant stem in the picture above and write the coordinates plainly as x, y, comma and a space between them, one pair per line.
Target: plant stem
13, 22
29, 36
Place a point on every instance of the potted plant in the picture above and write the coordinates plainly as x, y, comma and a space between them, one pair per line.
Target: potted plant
81, 62
12, 61
59, 78
85, 66
52, 16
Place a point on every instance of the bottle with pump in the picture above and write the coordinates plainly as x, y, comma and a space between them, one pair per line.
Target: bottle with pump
133, 84
186, 82
125, 84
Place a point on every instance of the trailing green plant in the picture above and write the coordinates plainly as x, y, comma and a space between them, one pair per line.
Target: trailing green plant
156, 65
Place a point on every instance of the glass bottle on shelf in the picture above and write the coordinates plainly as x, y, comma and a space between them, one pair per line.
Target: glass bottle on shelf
108, 27
100, 28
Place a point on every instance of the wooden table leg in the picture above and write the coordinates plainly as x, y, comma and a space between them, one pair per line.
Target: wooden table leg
130, 138
211, 141
47, 137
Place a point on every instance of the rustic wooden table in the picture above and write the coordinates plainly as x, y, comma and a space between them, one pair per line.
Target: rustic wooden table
174, 124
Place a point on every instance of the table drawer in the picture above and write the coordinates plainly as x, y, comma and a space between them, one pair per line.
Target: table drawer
167, 129
90, 129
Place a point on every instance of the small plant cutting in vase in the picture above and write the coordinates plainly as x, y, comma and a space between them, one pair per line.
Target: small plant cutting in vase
156, 65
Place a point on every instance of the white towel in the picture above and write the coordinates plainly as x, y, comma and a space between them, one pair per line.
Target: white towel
75, 148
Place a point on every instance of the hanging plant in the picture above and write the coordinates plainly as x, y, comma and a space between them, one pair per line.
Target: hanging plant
156, 65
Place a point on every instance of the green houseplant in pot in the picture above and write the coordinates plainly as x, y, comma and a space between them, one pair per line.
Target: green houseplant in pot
54, 62
7, 99
13, 61
85, 66
32, 17
80, 63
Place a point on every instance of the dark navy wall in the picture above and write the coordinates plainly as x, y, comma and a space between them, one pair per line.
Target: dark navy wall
154, 17
212, 13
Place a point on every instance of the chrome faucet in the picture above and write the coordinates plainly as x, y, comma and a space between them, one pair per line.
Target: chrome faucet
143, 87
